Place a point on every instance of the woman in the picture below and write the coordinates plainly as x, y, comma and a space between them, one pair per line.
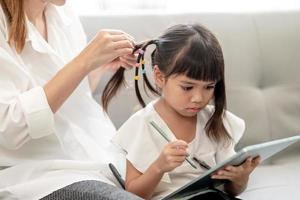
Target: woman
53, 136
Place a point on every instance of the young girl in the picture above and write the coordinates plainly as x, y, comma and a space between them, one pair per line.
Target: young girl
188, 71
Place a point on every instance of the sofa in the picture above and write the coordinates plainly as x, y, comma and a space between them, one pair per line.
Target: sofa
262, 68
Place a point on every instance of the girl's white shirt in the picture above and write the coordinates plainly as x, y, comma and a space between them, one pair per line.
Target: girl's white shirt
41, 152
143, 144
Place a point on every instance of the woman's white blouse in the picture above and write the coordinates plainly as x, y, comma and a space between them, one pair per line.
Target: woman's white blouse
143, 144
40, 151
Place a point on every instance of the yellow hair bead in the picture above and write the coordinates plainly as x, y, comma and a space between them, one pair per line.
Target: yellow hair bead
143, 62
136, 78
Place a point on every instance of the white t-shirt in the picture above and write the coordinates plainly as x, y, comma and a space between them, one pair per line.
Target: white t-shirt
41, 152
143, 145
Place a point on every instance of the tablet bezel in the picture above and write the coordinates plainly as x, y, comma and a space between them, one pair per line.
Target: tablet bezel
264, 150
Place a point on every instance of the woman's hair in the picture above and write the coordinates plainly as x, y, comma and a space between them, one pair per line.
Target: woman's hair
189, 50
15, 15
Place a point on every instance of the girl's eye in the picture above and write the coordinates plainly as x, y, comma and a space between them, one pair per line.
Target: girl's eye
210, 87
186, 88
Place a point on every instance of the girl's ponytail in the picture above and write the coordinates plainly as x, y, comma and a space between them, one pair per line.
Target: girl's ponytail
141, 64
118, 79
112, 87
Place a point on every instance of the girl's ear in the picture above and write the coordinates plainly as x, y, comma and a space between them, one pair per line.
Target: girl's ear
159, 77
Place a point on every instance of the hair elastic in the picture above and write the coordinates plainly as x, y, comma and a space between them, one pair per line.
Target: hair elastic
136, 78
141, 51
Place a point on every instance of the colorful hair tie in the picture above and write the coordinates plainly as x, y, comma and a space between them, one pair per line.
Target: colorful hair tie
136, 78
141, 51
143, 71
137, 64
143, 62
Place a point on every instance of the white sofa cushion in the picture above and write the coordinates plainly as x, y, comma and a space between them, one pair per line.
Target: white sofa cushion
274, 182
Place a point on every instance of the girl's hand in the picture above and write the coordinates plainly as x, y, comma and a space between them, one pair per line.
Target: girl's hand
107, 47
238, 175
172, 156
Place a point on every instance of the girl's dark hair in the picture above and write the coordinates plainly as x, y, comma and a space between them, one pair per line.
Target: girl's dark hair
191, 50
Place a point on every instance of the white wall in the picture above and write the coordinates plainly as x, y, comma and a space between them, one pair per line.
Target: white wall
99, 6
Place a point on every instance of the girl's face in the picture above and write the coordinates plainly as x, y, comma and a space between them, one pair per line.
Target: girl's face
186, 96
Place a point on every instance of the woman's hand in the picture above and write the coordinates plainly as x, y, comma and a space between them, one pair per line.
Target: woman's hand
238, 175
108, 48
126, 61
172, 156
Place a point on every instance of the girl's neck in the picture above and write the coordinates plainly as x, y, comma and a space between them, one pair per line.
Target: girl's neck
169, 112
184, 128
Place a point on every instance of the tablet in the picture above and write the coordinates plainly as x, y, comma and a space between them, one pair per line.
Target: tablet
264, 150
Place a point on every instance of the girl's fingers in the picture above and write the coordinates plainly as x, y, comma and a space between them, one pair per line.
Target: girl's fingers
180, 143
231, 168
176, 148
256, 161
251, 163
223, 174
178, 152
222, 177
226, 173
178, 159
247, 163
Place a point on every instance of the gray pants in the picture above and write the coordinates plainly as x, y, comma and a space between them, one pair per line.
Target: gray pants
91, 190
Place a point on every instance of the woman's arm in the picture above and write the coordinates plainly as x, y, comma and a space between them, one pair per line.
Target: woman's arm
102, 50
26, 110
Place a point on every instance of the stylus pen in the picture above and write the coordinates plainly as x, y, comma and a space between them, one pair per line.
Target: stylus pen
117, 175
202, 163
162, 133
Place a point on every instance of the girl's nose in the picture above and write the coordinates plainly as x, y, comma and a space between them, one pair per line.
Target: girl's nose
197, 97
